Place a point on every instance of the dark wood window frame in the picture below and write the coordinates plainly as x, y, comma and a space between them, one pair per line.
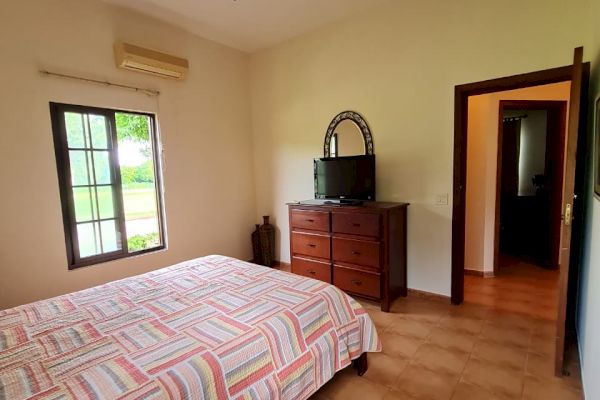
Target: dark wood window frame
61, 147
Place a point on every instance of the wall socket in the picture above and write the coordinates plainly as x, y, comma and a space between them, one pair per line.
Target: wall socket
441, 199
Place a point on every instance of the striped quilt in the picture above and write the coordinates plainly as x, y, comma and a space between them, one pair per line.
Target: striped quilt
211, 328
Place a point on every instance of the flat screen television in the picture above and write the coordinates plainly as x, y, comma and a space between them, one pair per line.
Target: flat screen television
345, 178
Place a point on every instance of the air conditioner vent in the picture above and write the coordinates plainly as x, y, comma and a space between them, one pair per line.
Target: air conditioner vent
135, 58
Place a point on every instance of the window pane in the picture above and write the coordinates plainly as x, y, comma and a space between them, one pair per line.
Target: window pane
105, 202
79, 170
132, 127
74, 125
102, 167
142, 234
83, 204
89, 241
109, 236
98, 131
138, 180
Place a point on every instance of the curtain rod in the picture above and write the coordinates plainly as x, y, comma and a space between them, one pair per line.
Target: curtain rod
149, 92
514, 118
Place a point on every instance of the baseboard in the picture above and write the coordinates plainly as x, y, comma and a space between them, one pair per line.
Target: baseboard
482, 274
428, 295
282, 264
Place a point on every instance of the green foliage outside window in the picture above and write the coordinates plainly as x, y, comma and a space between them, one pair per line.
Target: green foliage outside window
141, 242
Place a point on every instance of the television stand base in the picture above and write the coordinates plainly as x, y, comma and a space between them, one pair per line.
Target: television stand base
344, 202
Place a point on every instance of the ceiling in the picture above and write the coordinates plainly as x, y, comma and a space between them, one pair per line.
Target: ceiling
248, 25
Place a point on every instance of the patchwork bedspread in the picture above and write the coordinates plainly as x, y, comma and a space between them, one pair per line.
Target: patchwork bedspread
210, 328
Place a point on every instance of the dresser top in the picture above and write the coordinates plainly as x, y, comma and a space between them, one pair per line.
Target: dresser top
365, 205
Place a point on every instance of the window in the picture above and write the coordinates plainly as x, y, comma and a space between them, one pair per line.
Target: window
109, 176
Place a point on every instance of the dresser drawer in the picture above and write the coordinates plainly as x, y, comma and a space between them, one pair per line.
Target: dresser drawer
358, 252
312, 269
311, 245
359, 282
356, 224
315, 220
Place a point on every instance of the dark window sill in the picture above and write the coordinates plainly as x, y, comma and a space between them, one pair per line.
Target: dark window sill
87, 262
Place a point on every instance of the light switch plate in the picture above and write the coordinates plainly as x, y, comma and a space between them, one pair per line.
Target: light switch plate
441, 199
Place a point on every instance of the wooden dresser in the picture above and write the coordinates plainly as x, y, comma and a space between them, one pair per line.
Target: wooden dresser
360, 249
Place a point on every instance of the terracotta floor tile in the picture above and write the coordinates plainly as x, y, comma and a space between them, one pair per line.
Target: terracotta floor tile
369, 305
470, 310
382, 319
506, 335
510, 320
452, 340
410, 327
503, 355
320, 395
357, 388
420, 309
502, 382
399, 346
461, 324
383, 369
422, 383
444, 360
542, 345
541, 389
465, 391
395, 395
540, 365
544, 328
499, 344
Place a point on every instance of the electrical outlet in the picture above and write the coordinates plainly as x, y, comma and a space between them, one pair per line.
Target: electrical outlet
441, 199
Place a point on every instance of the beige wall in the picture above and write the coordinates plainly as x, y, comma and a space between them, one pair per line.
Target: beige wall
482, 161
205, 130
400, 64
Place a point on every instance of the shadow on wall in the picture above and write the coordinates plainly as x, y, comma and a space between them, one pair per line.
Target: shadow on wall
425, 266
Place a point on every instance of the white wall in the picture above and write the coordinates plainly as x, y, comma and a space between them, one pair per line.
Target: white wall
204, 123
589, 293
482, 162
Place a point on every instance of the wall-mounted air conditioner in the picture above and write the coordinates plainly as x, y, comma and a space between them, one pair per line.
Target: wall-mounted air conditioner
135, 58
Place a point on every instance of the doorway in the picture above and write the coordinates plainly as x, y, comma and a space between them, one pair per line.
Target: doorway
578, 75
530, 175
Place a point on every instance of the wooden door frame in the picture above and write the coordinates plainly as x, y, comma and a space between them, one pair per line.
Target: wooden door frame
461, 96
559, 106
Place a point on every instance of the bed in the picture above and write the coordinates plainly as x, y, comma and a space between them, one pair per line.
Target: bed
210, 328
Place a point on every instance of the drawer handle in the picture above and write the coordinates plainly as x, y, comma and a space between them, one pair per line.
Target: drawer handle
310, 220
311, 245
310, 271
356, 224
357, 283
356, 253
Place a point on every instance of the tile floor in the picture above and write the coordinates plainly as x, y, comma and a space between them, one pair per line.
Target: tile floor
498, 345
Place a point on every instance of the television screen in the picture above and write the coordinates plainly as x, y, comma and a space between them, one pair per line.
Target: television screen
350, 178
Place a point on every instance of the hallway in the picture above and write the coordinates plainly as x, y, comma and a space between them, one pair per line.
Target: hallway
520, 287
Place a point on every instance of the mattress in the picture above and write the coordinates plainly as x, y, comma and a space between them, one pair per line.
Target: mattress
210, 328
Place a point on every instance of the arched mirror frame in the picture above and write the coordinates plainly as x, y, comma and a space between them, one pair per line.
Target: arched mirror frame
359, 121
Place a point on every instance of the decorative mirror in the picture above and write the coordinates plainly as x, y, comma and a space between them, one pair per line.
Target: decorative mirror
348, 135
